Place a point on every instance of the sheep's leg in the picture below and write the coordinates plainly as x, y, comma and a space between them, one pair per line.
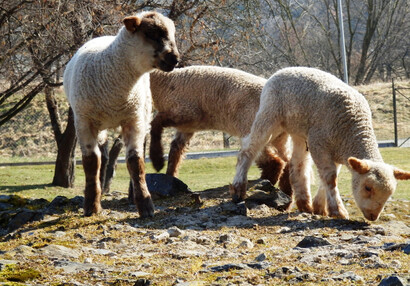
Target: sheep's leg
176, 153
300, 166
270, 164
91, 159
134, 142
328, 172
277, 168
320, 201
251, 145
156, 152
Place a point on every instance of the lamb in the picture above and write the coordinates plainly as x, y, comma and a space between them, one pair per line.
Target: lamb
107, 85
205, 98
332, 121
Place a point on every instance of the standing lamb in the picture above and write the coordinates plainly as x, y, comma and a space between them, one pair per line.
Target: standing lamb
210, 98
325, 116
107, 85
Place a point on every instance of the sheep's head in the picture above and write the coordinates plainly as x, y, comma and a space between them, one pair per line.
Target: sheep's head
158, 32
373, 184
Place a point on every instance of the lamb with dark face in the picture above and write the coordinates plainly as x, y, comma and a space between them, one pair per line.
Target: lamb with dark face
107, 85
157, 31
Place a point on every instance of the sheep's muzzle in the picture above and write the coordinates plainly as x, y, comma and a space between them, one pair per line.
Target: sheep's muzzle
168, 61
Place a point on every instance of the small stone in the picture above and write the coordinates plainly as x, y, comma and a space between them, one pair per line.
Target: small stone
225, 238
228, 267
58, 234
348, 275
175, 232
246, 243
262, 240
407, 249
138, 274
88, 260
260, 257
102, 245
160, 237
142, 282
311, 241
373, 262
203, 240
344, 262
392, 281
395, 264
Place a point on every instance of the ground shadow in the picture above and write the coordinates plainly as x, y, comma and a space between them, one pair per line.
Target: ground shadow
21, 188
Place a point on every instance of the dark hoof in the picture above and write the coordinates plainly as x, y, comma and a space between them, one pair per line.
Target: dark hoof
236, 199
145, 208
157, 160
89, 211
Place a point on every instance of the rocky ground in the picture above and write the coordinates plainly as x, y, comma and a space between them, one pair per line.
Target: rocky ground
198, 239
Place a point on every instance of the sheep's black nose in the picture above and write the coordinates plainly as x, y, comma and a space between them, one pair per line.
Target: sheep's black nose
171, 59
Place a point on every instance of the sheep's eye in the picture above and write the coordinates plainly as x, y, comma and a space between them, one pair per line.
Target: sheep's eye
368, 189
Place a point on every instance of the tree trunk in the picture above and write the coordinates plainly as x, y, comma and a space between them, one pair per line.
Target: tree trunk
64, 172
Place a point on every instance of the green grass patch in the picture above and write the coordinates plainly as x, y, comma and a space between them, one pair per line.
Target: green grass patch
201, 174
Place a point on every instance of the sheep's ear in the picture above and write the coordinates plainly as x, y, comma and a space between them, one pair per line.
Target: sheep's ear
132, 23
358, 165
401, 175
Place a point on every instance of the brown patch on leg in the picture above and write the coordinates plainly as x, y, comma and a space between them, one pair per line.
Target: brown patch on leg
284, 181
304, 206
142, 197
176, 153
320, 206
271, 166
92, 193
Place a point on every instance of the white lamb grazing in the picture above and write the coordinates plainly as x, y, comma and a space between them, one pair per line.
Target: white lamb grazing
332, 121
107, 85
199, 98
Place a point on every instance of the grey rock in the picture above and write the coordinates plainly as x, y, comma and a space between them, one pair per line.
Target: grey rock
138, 274
261, 257
5, 206
160, 237
203, 240
311, 241
373, 262
142, 282
348, 276
162, 185
226, 238
74, 267
5, 198
259, 265
261, 240
175, 232
59, 251
393, 280
246, 243
22, 217
265, 193
407, 249
229, 266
